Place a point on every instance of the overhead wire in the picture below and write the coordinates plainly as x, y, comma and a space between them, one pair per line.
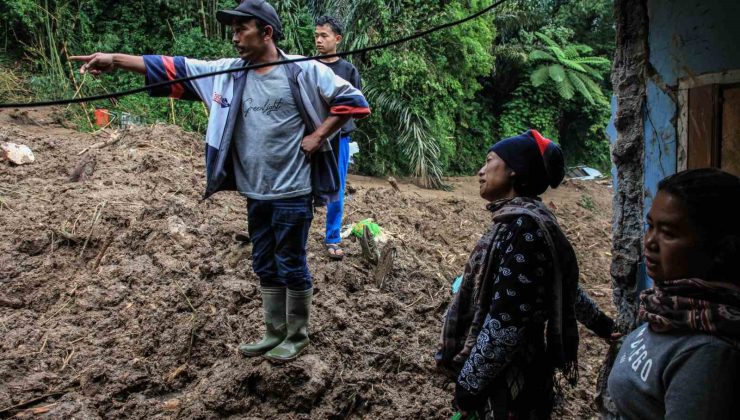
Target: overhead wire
253, 66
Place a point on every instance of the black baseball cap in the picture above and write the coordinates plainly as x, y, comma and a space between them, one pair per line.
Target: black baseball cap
259, 9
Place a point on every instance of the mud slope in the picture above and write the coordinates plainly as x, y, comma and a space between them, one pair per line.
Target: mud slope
123, 295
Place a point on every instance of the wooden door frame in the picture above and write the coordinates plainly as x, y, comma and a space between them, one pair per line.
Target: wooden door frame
728, 77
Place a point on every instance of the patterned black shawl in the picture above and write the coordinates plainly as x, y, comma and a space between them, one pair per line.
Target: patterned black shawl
469, 307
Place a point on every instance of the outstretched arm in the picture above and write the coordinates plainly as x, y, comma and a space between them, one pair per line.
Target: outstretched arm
590, 315
98, 63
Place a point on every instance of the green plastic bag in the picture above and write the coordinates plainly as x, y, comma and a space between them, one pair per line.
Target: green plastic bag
373, 227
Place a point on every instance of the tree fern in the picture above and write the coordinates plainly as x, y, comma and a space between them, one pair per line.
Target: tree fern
568, 68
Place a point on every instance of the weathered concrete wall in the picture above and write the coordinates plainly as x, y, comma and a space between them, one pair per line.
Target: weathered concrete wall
627, 131
628, 79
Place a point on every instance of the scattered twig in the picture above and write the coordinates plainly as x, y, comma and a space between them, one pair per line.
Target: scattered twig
36, 410
98, 213
106, 244
414, 302
43, 345
67, 359
192, 318
56, 312
37, 399
115, 138
64, 235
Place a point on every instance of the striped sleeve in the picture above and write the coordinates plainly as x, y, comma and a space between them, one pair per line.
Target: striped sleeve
355, 106
342, 97
162, 68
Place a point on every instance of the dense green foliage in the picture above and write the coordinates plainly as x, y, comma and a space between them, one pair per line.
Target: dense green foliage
438, 102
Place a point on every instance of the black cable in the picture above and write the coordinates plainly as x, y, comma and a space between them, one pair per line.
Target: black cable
254, 66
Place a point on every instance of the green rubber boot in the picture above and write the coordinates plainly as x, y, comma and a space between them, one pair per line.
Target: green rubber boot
273, 303
299, 309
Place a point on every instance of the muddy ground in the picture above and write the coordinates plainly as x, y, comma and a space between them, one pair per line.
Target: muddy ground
124, 295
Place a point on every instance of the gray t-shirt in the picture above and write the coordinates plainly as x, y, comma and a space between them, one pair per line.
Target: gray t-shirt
675, 376
268, 160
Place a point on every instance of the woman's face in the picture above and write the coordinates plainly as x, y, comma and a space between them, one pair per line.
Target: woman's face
671, 244
495, 179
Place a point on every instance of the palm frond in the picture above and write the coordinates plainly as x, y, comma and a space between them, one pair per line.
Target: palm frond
417, 144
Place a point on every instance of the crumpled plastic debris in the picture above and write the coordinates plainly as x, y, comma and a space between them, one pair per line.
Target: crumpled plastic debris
456, 284
358, 228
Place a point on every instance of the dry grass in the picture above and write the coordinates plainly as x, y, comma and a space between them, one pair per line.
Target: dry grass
11, 86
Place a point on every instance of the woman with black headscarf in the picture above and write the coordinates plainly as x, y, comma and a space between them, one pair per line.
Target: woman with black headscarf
512, 324
684, 361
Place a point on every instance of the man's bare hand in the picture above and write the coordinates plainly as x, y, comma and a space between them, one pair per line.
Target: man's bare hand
310, 144
95, 64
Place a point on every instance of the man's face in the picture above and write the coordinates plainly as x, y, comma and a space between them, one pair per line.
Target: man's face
495, 178
326, 40
671, 244
249, 41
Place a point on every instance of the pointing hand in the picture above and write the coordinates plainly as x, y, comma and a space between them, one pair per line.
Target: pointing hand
95, 64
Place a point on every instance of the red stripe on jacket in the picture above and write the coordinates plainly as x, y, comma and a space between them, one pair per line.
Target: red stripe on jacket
356, 112
169, 65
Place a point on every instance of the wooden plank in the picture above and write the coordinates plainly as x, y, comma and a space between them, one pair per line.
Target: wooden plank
702, 122
730, 146
682, 130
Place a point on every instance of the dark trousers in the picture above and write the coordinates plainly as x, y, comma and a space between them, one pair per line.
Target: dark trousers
279, 232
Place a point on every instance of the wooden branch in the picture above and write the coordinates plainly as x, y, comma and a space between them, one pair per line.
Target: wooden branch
115, 138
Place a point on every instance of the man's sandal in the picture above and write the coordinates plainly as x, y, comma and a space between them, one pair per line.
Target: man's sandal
334, 251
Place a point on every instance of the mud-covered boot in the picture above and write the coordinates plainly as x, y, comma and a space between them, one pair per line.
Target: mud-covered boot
299, 309
273, 303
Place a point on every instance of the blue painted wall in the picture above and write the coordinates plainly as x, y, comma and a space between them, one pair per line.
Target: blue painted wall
687, 38
691, 37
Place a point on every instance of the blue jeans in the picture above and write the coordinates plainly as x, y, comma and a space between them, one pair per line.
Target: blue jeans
335, 210
279, 232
